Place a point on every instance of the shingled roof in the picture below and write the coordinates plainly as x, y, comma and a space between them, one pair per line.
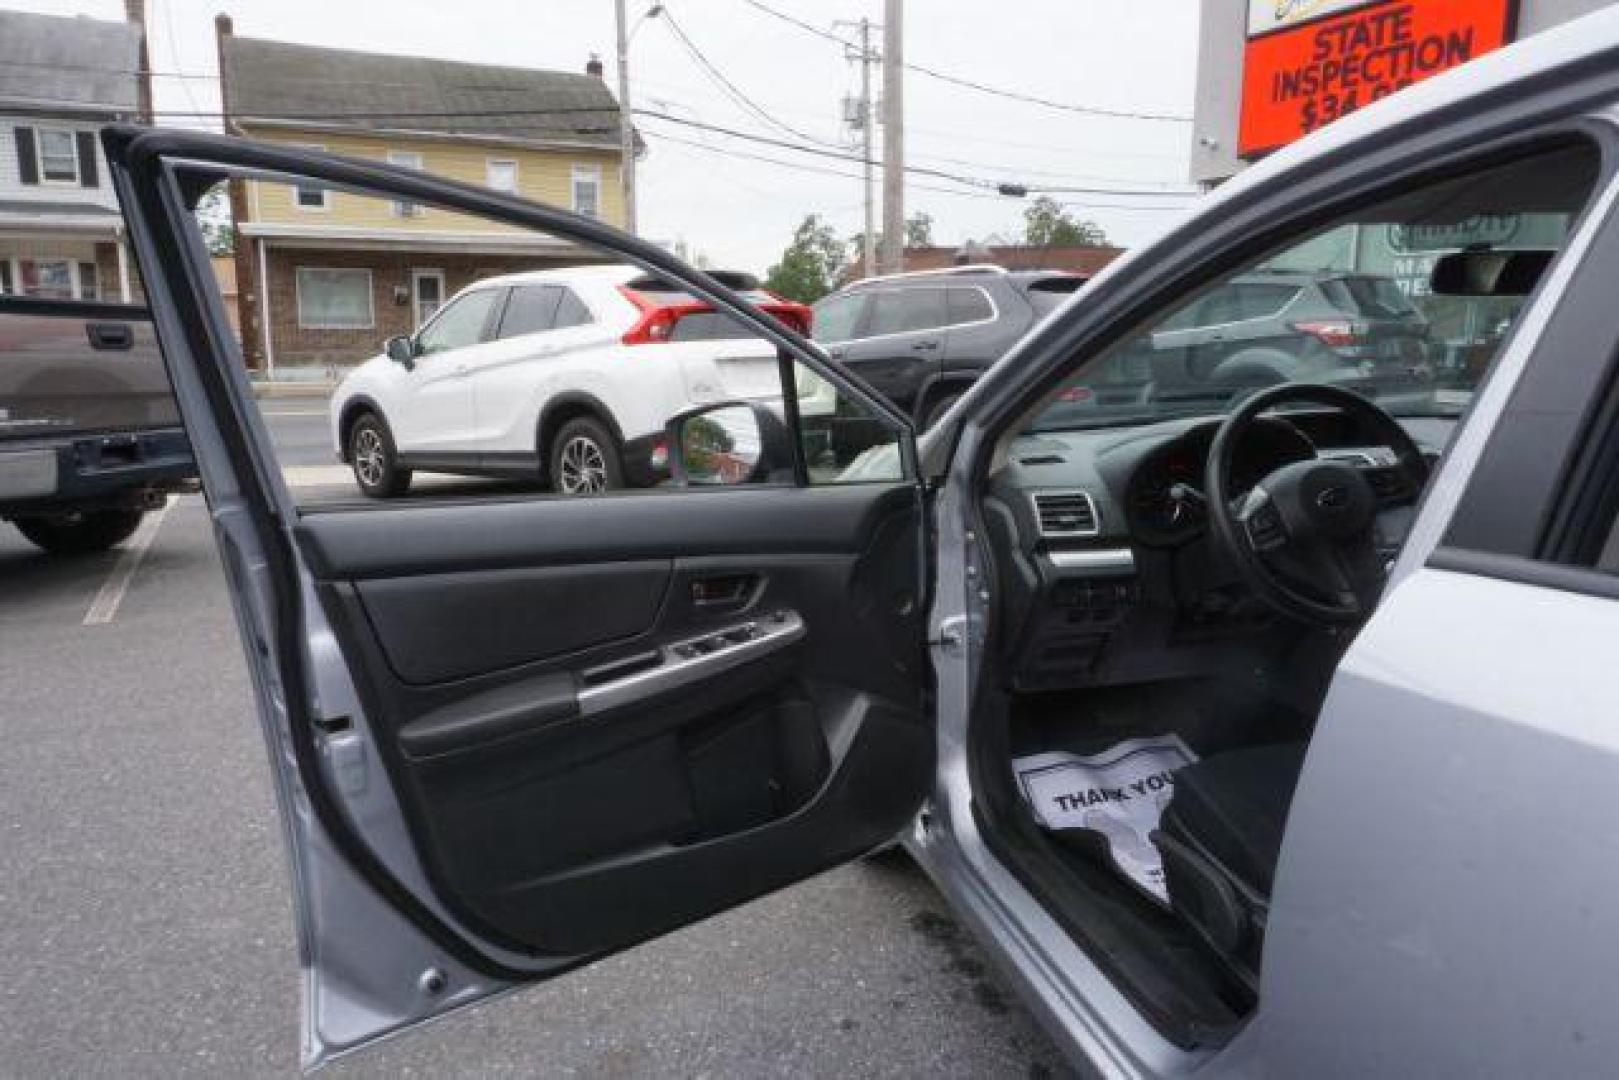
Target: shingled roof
55, 65
342, 88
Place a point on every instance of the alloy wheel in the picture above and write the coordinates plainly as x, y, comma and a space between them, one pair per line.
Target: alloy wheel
370, 460
583, 467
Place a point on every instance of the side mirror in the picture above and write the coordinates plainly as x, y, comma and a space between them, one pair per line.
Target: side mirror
1489, 273
401, 350
730, 443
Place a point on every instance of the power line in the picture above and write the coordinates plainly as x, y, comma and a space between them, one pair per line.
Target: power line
840, 155
719, 129
957, 80
800, 166
918, 170
174, 50
735, 92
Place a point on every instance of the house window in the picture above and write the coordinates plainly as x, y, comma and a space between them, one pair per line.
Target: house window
89, 281
307, 197
58, 156
5, 276
334, 299
502, 176
587, 190
406, 159
49, 279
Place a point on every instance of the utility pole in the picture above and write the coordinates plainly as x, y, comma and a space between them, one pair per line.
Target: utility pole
893, 254
626, 126
859, 114
869, 255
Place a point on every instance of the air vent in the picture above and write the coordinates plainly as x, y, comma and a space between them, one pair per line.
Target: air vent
1065, 513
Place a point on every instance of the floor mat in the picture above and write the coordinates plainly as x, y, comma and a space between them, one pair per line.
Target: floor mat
1115, 798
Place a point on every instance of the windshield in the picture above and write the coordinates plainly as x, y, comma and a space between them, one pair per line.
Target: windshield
1352, 305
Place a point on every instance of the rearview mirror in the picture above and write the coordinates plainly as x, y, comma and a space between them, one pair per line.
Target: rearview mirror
1489, 273
401, 349
731, 443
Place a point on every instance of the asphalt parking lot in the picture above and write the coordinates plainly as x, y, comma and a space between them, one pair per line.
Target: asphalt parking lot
148, 929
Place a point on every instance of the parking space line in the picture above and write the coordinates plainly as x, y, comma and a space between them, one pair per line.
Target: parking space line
105, 605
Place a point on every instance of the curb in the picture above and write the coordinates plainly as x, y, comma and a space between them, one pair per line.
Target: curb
293, 389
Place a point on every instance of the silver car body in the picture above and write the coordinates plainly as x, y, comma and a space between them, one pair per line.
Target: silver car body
1448, 848
1442, 898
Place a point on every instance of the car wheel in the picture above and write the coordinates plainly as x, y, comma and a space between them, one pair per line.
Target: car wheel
80, 532
372, 457
584, 459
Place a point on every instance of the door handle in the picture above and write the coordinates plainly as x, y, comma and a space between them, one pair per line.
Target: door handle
689, 662
837, 354
925, 346
725, 591
461, 369
110, 336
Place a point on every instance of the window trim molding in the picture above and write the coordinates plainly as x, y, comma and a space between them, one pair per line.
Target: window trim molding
418, 324
489, 164
370, 296
592, 173
39, 156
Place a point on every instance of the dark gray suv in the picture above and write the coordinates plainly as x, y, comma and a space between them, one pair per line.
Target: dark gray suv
920, 339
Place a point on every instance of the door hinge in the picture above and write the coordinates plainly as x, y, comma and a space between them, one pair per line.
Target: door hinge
951, 636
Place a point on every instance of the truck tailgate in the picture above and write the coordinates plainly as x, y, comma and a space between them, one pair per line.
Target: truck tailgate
98, 370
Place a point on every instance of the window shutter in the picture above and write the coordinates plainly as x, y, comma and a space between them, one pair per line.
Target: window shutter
27, 155
87, 159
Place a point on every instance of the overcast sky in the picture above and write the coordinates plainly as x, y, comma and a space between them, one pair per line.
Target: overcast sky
1108, 55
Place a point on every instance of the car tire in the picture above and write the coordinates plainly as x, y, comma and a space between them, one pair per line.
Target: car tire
80, 532
374, 460
584, 459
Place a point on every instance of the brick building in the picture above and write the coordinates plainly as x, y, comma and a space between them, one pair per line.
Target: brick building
1080, 259
325, 277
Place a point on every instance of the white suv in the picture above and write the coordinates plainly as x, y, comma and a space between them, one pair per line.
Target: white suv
567, 376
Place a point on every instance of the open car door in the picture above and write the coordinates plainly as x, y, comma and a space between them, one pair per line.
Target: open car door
511, 736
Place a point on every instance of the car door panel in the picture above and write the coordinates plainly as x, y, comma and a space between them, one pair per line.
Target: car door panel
537, 808
433, 414
505, 617
435, 417
471, 806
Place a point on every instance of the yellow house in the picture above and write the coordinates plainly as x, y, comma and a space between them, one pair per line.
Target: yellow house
327, 276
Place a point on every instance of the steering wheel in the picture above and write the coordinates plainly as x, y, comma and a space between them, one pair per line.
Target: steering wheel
1302, 539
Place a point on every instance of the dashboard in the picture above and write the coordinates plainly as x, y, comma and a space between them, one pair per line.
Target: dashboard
1100, 539
1163, 496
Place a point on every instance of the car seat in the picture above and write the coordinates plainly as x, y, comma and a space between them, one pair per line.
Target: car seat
1220, 837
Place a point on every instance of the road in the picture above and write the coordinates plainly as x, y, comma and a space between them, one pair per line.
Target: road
147, 928
303, 443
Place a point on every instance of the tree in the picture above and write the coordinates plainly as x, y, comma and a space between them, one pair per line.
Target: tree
918, 233
1047, 224
919, 230
213, 218
810, 265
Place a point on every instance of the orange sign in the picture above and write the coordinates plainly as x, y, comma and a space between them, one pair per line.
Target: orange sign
1303, 77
